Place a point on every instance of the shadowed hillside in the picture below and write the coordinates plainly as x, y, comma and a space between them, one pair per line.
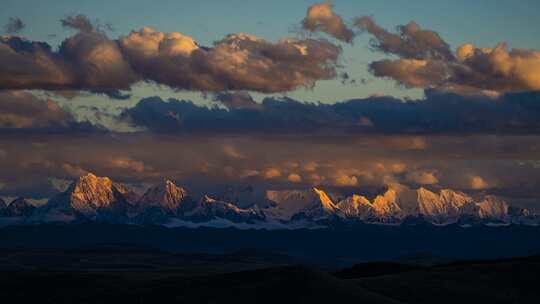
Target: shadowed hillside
117, 274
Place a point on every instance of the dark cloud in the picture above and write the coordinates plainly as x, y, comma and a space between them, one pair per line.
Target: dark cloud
438, 113
237, 100
86, 61
90, 61
410, 41
36, 189
14, 25
321, 18
22, 112
426, 61
97, 62
277, 115
113, 94
346, 79
78, 22
108, 27
27, 64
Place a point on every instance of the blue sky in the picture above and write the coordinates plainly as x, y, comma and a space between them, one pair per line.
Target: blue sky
482, 22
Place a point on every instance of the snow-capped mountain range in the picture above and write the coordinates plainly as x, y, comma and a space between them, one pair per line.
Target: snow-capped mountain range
100, 199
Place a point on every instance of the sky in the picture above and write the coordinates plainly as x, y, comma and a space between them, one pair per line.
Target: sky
485, 23
354, 96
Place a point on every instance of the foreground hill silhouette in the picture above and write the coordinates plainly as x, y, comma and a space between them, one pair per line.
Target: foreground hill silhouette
116, 274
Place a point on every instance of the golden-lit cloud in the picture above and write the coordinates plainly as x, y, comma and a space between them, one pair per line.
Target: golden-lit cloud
148, 44
422, 177
398, 167
425, 60
237, 62
294, 178
22, 110
271, 173
311, 166
321, 18
91, 61
498, 68
344, 180
128, 163
478, 183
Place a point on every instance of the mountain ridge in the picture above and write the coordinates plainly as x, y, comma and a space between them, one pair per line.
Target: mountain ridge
100, 199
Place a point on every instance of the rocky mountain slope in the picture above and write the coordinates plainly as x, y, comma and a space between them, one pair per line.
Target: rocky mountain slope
165, 197
17, 208
92, 197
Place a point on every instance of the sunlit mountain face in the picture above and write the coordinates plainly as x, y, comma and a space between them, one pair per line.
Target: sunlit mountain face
268, 126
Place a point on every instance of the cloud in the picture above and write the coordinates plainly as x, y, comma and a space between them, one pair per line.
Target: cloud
90, 61
21, 110
412, 72
398, 167
237, 62
425, 60
232, 152
478, 183
311, 166
437, 113
422, 177
294, 178
249, 173
14, 25
407, 143
99, 62
128, 163
316, 179
498, 68
410, 41
86, 61
73, 171
276, 115
344, 180
199, 163
78, 22
271, 173
237, 100
321, 18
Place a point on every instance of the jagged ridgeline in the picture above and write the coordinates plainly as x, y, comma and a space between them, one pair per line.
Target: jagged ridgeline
92, 198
